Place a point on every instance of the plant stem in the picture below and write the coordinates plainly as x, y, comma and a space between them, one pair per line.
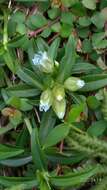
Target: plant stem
28, 124
35, 32
5, 34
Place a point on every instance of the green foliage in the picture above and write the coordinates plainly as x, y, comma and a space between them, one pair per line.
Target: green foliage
85, 143
8, 151
37, 153
101, 185
75, 178
89, 4
56, 135
97, 128
53, 99
69, 58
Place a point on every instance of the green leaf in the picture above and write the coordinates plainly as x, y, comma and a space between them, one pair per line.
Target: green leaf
53, 13
16, 162
84, 21
97, 128
64, 158
14, 101
75, 178
25, 104
18, 17
2, 105
28, 182
104, 13
19, 41
21, 29
78, 9
75, 112
5, 129
90, 4
22, 90
8, 58
92, 102
83, 32
94, 85
56, 135
19, 103
46, 33
47, 123
68, 60
41, 44
38, 20
52, 52
69, 3
37, 153
99, 41
65, 30
94, 77
87, 46
16, 187
9, 151
56, 27
84, 67
94, 82
29, 77
65, 16
98, 20
22, 137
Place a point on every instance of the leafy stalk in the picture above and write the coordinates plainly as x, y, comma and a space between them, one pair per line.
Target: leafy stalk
91, 145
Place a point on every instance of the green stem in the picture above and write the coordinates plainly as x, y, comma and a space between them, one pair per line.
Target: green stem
5, 34
28, 124
75, 128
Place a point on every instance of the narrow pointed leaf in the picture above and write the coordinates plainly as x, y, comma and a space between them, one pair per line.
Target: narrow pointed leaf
37, 153
9, 151
28, 182
29, 77
68, 60
53, 49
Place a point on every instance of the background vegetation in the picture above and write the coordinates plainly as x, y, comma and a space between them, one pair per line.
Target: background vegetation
53, 132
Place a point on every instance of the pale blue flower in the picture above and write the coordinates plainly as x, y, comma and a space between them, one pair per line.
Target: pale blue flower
43, 62
80, 83
39, 58
44, 106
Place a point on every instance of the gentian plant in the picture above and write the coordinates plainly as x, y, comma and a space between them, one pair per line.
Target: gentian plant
53, 94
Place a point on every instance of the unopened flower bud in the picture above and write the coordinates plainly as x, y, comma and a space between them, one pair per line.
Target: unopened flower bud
43, 62
59, 107
58, 92
45, 100
73, 83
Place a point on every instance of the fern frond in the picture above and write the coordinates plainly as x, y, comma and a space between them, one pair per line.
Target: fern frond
76, 178
104, 104
85, 143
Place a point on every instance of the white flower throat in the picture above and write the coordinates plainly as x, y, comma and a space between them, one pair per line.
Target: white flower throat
40, 58
80, 83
